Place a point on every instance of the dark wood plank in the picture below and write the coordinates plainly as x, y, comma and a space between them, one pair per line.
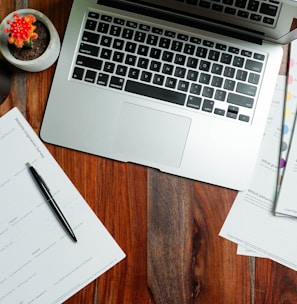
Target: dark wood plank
274, 283
187, 261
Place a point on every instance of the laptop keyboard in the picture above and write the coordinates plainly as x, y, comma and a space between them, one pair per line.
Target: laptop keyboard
196, 73
257, 11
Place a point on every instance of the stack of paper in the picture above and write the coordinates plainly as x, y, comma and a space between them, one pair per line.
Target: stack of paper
39, 262
252, 221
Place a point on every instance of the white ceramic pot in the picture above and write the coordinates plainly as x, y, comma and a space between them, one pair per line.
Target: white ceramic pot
46, 59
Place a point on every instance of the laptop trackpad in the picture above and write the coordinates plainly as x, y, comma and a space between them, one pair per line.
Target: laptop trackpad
145, 134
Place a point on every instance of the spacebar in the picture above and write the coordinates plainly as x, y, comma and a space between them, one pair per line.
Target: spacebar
154, 92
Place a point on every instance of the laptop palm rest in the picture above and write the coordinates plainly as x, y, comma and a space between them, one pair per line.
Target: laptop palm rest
146, 136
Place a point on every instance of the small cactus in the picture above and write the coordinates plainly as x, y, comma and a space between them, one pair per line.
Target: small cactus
21, 32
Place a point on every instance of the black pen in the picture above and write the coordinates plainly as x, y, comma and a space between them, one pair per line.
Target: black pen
49, 198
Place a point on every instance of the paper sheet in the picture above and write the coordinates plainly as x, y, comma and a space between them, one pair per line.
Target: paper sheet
39, 262
251, 222
290, 109
286, 203
273, 126
288, 125
287, 198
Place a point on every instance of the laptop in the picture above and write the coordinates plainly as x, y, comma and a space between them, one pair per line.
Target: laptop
184, 86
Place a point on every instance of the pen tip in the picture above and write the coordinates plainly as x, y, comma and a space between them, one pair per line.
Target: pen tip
28, 165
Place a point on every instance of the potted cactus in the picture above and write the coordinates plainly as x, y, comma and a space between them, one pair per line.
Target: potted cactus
29, 40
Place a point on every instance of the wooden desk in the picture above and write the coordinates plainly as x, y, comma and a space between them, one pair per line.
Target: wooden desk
168, 226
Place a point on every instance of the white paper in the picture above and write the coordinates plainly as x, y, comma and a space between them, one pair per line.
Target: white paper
251, 221
273, 121
290, 109
287, 198
39, 262
286, 204
272, 128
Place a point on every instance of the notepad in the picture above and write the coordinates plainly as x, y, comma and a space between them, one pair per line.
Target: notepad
39, 262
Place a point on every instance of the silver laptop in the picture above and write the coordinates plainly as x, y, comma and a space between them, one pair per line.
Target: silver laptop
184, 86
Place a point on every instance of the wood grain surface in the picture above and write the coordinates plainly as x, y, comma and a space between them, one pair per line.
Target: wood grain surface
168, 226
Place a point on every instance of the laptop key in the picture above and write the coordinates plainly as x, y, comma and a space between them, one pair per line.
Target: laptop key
90, 76
244, 118
220, 95
194, 102
180, 59
116, 83
89, 49
254, 66
89, 62
240, 100
254, 78
164, 43
192, 62
167, 69
146, 76
121, 70
170, 82
152, 39
119, 21
140, 37
183, 37
91, 25
118, 44
246, 89
268, 9
106, 18
158, 79
219, 111
155, 66
142, 50
130, 59
143, 63
115, 30
155, 92
103, 27
130, 47
204, 4
155, 53
201, 52
177, 46
118, 56
232, 112
167, 56
131, 24
127, 33
183, 85
78, 73
102, 79
105, 53
93, 15
90, 37
133, 73
157, 30
268, 20
109, 67
207, 105
106, 41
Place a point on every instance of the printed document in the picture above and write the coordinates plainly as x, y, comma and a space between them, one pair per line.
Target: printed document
39, 262
273, 126
251, 221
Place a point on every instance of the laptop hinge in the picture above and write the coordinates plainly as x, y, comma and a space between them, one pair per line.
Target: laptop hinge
190, 20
